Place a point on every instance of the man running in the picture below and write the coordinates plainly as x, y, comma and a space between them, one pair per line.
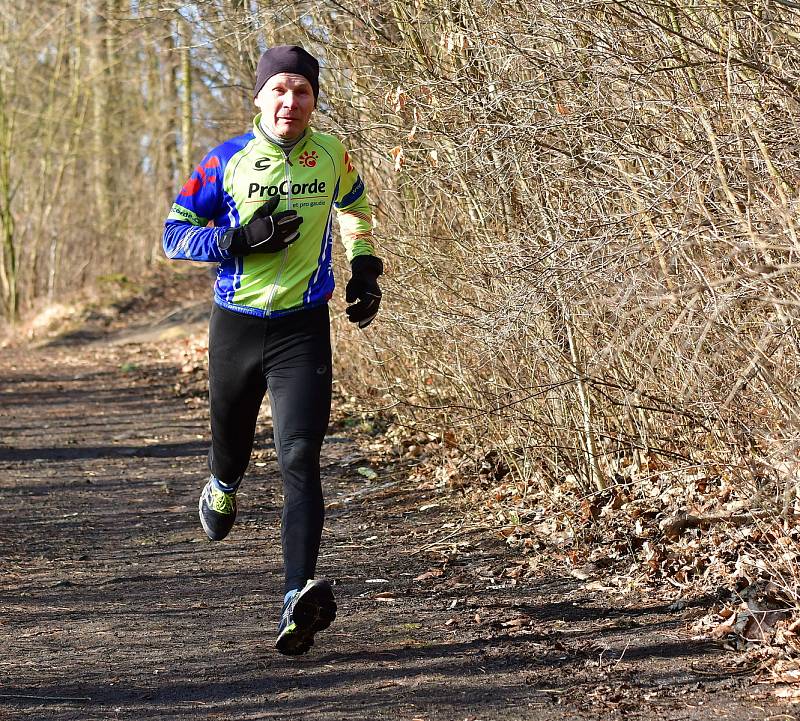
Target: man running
261, 206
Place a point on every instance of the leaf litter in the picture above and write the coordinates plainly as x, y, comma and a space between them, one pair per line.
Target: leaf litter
698, 537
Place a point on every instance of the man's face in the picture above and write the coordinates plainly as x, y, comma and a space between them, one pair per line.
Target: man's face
286, 102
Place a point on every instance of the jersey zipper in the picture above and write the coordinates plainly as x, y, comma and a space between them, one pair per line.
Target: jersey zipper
287, 175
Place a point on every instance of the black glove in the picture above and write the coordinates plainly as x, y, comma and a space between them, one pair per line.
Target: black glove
265, 232
363, 287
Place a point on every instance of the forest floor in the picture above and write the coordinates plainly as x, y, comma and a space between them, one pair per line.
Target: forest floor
115, 606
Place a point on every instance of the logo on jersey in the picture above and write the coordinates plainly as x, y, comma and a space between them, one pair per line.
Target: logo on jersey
315, 187
348, 164
201, 177
308, 159
262, 163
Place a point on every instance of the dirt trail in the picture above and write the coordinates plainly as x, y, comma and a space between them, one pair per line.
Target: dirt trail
114, 606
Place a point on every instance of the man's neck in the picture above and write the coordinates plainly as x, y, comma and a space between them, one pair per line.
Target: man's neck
283, 143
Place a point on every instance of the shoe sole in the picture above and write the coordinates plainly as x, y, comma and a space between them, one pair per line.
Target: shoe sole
314, 611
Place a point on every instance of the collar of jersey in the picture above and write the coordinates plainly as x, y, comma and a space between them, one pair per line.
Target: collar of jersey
275, 150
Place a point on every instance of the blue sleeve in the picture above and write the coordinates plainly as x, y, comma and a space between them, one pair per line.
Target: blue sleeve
184, 241
187, 233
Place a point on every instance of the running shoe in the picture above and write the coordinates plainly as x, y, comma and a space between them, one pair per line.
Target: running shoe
310, 610
217, 511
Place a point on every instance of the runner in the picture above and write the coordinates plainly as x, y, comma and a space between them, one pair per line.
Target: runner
261, 206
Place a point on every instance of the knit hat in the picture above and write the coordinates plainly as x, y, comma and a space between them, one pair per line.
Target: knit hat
287, 59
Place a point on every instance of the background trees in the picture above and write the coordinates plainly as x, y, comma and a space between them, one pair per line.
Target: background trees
589, 210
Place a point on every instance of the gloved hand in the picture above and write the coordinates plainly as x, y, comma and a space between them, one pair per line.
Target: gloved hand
265, 232
363, 287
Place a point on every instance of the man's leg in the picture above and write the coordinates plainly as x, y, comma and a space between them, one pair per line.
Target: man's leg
299, 381
236, 389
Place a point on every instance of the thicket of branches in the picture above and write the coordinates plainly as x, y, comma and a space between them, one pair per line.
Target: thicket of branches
594, 228
589, 209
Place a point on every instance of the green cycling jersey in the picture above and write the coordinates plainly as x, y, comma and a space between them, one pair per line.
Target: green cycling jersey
315, 178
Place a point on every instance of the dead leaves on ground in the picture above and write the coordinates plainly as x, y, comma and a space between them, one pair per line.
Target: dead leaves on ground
190, 355
688, 535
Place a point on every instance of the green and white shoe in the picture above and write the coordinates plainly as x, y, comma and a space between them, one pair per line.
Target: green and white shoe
310, 610
217, 511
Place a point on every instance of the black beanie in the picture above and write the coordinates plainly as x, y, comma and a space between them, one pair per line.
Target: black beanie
287, 59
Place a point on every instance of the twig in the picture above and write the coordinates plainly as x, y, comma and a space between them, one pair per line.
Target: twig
725, 671
45, 698
622, 655
441, 541
674, 527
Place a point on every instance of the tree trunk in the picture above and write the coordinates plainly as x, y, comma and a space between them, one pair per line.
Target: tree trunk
187, 127
8, 260
99, 144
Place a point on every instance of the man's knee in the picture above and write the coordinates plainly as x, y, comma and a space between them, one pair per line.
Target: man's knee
300, 458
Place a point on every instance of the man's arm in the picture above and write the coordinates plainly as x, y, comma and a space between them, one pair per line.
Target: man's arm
183, 240
187, 233
355, 224
354, 213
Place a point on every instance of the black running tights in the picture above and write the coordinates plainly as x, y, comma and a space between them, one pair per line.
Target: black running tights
290, 357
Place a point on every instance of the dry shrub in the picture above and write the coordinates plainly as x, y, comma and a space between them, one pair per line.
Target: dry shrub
590, 216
